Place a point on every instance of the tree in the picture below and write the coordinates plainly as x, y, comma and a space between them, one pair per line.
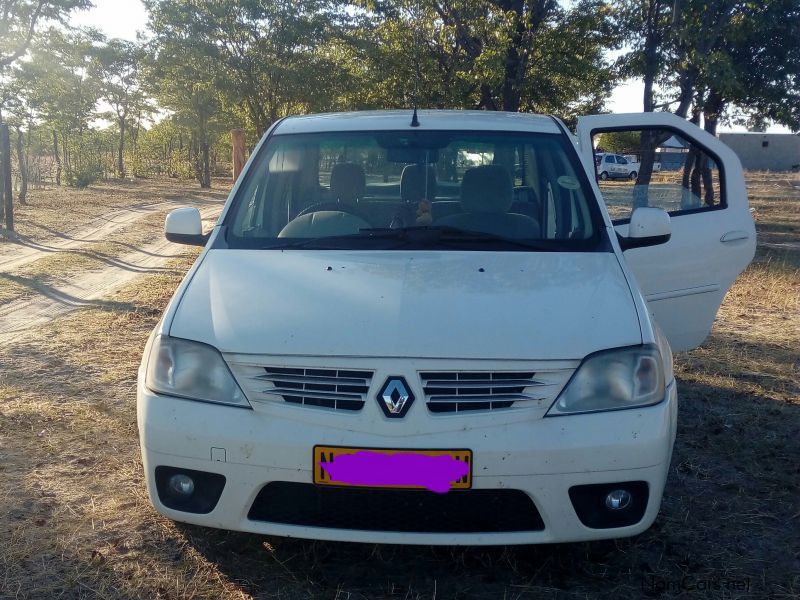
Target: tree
15, 111
117, 68
619, 142
533, 55
264, 57
180, 82
754, 67
20, 18
62, 91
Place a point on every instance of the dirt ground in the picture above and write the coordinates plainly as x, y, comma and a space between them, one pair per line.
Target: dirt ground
75, 521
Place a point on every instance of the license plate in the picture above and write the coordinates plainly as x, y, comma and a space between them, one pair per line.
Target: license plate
436, 470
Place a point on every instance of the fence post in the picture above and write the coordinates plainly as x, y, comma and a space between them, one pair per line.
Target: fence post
5, 165
238, 148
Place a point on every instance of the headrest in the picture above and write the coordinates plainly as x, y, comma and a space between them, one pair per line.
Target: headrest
412, 183
487, 189
348, 182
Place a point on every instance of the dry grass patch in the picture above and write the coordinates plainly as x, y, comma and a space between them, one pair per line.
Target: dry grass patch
80, 521
14, 288
57, 211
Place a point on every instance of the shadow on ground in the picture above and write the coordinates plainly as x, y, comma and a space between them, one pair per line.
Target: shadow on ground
727, 523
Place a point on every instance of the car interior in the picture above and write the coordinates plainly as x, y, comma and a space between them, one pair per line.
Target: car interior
514, 191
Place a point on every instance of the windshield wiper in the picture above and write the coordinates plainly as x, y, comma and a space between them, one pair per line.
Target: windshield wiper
334, 241
447, 233
417, 235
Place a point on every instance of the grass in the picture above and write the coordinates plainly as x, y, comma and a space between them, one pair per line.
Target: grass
57, 211
76, 523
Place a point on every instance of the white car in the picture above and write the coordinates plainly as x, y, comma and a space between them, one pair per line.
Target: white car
615, 166
633, 163
380, 345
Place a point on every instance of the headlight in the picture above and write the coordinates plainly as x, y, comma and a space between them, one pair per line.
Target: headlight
613, 380
191, 370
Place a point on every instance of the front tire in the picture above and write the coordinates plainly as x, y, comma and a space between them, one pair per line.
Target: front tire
632, 176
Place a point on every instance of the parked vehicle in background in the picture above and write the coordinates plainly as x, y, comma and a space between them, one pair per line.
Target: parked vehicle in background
615, 166
634, 160
434, 331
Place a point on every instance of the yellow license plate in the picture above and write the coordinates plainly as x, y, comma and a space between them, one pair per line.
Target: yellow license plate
436, 470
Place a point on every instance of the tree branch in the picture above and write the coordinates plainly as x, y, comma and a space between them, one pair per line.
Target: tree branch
7, 60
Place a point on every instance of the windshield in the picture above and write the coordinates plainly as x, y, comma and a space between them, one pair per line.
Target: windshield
435, 189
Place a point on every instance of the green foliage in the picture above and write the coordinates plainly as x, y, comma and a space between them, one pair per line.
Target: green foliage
619, 142
726, 59
116, 65
20, 19
491, 54
163, 151
83, 177
86, 102
262, 58
60, 89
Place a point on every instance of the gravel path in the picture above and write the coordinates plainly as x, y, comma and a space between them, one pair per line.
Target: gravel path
89, 288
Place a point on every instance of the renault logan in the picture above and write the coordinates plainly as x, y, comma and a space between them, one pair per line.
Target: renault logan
432, 332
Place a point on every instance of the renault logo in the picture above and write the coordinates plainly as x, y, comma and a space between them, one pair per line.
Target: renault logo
395, 398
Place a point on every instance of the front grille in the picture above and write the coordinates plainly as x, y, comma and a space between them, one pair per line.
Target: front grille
468, 511
460, 391
339, 389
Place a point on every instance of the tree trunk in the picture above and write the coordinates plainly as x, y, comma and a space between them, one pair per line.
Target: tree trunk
22, 161
652, 44
121, 150
486, 101
205, 182
238, 150
686, 82
65, 154
57, 157
514, 65
647, 147
6, 190
712, 111
2, 177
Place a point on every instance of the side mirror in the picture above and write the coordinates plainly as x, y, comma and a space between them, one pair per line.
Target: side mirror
648, 227
184, 226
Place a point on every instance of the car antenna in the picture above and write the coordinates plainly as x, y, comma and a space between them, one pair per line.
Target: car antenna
414, 117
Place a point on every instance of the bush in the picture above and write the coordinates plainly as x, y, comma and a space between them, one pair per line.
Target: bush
83, 177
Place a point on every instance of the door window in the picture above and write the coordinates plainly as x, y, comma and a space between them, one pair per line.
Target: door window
674, 173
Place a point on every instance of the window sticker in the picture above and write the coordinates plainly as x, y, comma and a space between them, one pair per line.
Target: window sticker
568, 182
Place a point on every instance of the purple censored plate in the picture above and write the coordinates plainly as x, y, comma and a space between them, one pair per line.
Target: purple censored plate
436, 470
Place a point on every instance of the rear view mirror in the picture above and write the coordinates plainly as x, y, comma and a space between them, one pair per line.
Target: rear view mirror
648, 227
184, 226
412, 155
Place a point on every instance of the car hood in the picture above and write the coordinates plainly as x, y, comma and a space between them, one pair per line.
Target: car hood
490, 305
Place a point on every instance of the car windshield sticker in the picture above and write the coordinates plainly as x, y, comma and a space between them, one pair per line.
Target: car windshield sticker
568, 182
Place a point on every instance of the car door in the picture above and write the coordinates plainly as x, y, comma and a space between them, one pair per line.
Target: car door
611, 165
622, 168
713, 236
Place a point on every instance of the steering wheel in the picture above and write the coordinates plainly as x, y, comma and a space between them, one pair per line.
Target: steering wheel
334, 206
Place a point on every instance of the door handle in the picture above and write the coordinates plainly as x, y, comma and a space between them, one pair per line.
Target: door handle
733, 236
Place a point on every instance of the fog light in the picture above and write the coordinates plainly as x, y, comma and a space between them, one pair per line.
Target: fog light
181, 484
618, 499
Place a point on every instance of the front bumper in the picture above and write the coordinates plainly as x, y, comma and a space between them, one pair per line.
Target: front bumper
543, 458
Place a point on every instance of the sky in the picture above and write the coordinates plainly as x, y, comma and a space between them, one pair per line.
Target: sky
123, 18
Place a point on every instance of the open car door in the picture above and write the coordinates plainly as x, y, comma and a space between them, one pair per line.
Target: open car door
700, 183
